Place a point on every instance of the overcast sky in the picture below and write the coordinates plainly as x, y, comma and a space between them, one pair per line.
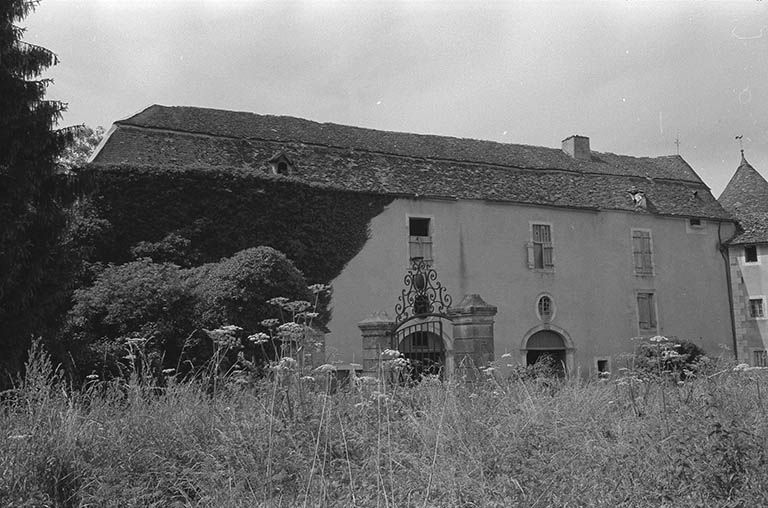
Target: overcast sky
632, 76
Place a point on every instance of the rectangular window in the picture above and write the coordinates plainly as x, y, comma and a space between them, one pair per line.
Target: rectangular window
646, 310
756, 310
420, 238
760, 358
695, 223
750, 254
540, 255
641, 252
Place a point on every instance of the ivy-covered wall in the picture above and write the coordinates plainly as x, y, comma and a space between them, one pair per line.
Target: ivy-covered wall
223, 210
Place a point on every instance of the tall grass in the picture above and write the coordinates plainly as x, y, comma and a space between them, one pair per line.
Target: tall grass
516, 443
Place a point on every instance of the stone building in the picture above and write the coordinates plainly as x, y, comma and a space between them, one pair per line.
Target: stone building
746, 197
568, 251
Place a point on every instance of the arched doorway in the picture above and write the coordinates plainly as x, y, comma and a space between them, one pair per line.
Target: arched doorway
547, 345
425, 350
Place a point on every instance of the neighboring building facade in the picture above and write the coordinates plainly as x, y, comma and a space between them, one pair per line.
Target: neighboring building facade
579, 251
746, 198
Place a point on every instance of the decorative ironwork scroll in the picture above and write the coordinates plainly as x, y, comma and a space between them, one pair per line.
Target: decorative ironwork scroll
423, 293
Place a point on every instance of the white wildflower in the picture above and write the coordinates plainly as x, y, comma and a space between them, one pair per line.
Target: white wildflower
319, 288
297, 306
278, 302
259, 338
270, 323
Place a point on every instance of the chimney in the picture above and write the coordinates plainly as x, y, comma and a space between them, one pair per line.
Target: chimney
577, 147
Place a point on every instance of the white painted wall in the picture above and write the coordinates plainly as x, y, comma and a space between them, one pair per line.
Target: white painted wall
480, 247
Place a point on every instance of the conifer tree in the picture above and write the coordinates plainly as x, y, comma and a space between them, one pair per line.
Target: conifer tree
32, 216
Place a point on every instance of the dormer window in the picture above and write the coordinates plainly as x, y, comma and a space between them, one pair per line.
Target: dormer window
638, 198
280, 164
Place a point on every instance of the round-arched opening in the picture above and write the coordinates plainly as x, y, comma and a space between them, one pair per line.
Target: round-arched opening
546, 346
425, 351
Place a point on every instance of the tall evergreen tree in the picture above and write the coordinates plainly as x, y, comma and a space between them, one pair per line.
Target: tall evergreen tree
32, 215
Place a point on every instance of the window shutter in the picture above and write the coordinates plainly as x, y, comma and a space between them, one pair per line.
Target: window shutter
641, 252
548, 263
644, 311
637, 250
531, 257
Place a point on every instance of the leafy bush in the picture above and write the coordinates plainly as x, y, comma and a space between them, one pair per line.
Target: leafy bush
158, 311
138, 299
236, 290
665, 357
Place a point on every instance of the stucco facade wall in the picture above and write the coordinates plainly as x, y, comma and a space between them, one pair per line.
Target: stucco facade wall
480, 247
749, 280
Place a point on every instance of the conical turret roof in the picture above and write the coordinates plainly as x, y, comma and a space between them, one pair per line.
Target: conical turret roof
746, 198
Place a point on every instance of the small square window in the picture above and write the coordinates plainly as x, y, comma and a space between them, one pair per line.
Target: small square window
695, 223
756, 309
760, 358
750, 254
603, 371
418, 226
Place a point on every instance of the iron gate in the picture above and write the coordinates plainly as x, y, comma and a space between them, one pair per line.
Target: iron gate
419, 315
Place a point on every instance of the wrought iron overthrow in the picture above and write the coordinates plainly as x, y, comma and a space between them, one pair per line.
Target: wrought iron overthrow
423, 293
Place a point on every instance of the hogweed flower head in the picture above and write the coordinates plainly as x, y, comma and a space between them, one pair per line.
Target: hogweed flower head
279, 301
297, 306
259, 338
270, 323
319, 288
291, 331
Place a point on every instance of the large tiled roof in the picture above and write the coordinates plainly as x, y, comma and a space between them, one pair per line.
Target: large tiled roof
746, 198
367, 160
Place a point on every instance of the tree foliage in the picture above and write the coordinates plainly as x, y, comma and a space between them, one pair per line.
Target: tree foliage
32, 215
76, 155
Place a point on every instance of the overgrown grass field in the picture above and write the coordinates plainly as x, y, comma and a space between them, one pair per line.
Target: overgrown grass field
290, 441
